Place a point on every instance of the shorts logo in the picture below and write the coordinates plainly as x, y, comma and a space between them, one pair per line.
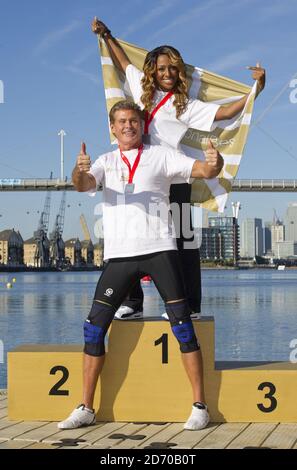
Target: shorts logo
108, 292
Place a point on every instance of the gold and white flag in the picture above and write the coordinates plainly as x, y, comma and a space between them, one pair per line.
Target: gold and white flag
229, 136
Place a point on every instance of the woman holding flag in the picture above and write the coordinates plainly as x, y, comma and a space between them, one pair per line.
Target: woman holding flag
161, 90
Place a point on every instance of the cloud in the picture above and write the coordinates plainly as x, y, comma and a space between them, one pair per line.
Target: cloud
72, 68
55, 36
213, 8
84, 55
188, 16
246, 56
77, 71
270, 11
147, 18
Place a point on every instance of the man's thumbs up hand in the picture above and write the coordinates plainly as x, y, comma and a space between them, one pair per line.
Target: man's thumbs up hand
212, 156
83, 148
210, 145
83, 160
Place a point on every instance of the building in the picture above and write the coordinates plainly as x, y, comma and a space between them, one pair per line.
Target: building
73, 252
30, 249
57, 250
291, 222
220, 240
267, 238
277, 237
11, 248
87, 252
251, 238
98, 253
285, 249
210, 248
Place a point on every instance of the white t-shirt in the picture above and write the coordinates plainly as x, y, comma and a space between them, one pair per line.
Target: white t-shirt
139, 223
165, 128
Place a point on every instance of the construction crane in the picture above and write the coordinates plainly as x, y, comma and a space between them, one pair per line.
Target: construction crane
87, 243
276, 219
84, 227
57, 245
41, 256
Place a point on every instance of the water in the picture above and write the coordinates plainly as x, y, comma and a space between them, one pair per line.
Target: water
254, 310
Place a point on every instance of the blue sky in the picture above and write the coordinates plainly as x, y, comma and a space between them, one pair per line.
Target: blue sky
50, 69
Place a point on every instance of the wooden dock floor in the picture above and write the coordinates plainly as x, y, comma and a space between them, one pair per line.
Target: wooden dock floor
45, 435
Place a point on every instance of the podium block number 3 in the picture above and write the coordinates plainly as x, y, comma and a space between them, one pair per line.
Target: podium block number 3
55, 390
269, 395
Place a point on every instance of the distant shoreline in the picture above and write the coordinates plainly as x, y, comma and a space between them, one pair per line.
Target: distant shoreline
10, 269
17, 269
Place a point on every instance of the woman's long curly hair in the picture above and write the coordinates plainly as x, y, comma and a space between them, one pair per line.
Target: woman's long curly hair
149, 83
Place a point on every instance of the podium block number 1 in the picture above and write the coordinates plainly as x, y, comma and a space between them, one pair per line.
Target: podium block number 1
164, 341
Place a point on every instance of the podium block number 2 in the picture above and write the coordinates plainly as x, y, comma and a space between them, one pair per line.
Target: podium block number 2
55, 390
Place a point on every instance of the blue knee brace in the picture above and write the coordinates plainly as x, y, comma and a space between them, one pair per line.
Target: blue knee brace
182, 326
95, 328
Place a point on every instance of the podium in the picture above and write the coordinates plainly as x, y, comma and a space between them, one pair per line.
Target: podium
143, 380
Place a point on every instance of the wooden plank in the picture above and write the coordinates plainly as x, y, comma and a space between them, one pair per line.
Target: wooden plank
3, 412
189, 439
102, 430
149, 430
295, 446
163, 436
103, 441
130, 429
40, 445
77, 446
131, 443
253, 435
40, 433
283, 437
19, 429
221, 437
3, 403
92, 447
5, 423
83, 433
13, 444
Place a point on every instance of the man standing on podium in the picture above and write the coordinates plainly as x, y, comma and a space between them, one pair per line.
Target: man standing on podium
139, 239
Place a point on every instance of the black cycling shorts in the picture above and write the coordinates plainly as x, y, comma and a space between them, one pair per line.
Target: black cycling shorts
120, 274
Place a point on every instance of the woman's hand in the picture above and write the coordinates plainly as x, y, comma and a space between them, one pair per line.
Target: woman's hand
259, 75
98, 27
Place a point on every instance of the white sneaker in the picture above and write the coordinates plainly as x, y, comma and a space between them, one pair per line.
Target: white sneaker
194, 316
78, 418
127, 313
199, 418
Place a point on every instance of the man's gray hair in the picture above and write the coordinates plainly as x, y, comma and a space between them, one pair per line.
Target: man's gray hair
123, 105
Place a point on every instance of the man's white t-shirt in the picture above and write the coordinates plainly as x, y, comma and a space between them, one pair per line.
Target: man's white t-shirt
165, 128
139, 223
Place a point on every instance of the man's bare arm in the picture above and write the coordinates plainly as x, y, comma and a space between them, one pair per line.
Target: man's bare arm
118, 54
82, 180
